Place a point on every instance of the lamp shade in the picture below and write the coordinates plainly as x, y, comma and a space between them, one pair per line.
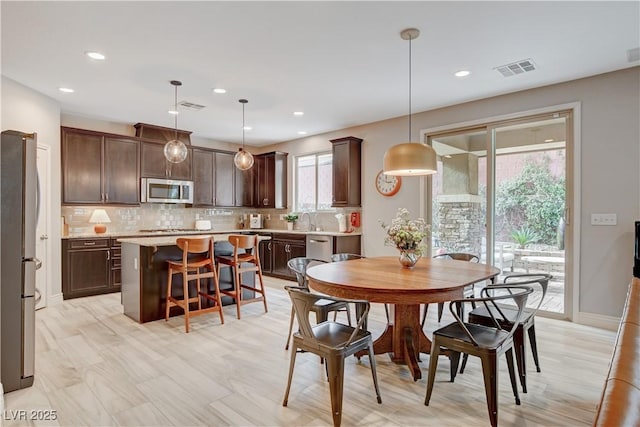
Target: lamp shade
175, 151
410, 159
99, 217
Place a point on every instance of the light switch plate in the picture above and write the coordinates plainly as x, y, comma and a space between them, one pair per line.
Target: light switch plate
604, 219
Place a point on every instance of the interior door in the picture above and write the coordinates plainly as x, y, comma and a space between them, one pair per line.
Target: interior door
42, 227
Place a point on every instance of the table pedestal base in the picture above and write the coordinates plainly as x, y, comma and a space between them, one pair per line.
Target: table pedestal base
403, 339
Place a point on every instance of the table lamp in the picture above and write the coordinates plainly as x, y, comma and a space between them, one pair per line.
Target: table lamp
99, 217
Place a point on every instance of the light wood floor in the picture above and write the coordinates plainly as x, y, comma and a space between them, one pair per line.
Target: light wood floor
94, 366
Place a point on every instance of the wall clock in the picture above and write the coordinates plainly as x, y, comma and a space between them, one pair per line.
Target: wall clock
387, 185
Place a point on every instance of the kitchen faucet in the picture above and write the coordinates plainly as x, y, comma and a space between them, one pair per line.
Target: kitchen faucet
310, 225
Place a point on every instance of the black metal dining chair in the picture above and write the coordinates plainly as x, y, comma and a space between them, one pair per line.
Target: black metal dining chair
332, 341
468, 291
322, 307
487, 343
482, 316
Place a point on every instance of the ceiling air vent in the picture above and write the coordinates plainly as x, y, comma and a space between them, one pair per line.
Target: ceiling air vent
517, 67
190, 105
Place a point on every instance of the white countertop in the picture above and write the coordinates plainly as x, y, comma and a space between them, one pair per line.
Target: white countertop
139, 234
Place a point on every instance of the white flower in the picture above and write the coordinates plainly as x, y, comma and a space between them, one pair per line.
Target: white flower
405, 233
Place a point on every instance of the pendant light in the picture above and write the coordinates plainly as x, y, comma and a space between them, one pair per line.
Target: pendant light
175, 151
243, 159
410, 158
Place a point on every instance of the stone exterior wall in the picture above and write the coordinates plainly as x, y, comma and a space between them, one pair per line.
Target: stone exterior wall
461, 226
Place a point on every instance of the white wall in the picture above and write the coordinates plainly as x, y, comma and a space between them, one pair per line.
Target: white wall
26, 110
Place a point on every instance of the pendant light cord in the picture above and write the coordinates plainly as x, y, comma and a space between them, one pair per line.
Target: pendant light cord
243, 126
410, 38
175, 109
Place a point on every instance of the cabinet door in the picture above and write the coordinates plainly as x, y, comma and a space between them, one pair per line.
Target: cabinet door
81, 168
121, 171
280, 256
297, 250
271, 180
266, 256
154, 164
346, 172
88, 273
203, 177
225, 180
244, 187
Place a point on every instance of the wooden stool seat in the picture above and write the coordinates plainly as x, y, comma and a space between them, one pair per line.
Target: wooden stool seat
190, 269
245, 258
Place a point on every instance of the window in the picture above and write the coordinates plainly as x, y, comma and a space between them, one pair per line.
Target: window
314, 182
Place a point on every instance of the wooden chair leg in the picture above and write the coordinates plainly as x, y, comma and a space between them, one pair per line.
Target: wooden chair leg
424, 315
185, 300
433, 365
198, 290
512, 374
238, 289
216, 285
534, 346
335, 367
292, 363
440, 310
264, 294
168, 301
490, 373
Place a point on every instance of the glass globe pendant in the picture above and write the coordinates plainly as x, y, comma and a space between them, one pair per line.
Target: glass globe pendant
243, 159
175, 151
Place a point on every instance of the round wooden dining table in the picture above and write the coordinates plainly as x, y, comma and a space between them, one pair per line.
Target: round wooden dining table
384, 280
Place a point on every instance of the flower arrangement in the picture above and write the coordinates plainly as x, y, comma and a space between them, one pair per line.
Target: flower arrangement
406, 234
291, 217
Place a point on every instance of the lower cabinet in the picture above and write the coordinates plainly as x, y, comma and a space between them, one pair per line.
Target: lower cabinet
284, 247
90, 267
266, 254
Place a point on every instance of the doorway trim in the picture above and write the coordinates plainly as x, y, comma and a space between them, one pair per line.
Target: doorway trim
572, 311
45, 211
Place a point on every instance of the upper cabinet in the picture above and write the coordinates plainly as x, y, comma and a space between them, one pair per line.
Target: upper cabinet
218, 182
99, 168
347, 153
270, 180
155, 165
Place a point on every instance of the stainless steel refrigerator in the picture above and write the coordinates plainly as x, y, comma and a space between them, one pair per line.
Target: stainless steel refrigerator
18, 262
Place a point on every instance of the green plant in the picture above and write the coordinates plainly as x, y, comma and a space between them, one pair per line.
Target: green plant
524, 236
291, 217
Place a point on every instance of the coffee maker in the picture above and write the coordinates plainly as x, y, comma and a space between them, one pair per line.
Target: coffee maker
256, 221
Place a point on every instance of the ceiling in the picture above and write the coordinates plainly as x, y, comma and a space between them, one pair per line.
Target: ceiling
341, 63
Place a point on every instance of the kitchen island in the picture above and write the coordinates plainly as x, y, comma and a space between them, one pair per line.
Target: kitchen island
144, 274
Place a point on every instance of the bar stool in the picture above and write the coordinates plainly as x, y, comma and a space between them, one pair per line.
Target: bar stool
190, 269
245, 258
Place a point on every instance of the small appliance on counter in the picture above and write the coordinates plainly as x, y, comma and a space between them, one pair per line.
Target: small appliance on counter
256, 221
203, 224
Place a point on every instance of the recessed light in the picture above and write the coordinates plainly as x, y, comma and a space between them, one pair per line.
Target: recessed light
298, 113
302, 132
66, 89
549, 140
462, 73
96, 55
174, 112
447, 156
219, 90
247, 128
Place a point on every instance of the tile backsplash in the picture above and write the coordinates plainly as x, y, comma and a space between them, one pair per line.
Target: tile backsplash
167, 216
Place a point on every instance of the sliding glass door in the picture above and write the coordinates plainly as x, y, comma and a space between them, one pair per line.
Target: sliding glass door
504, 186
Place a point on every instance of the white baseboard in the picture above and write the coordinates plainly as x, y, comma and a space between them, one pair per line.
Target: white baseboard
597, 320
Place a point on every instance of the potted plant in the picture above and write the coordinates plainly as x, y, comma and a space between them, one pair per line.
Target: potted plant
290, 218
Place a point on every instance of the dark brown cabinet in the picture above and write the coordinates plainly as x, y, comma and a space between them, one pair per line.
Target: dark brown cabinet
116, 264
265, 249
155, 165
346, 161
271, 180
99, 168
217, 182
86, 267
285, 247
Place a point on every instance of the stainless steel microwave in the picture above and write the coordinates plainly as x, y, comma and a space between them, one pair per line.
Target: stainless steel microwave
158, 190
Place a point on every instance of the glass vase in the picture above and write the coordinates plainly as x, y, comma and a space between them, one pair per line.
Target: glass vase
408, 258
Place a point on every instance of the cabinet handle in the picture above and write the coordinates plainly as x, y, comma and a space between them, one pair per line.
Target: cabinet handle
102, 197
106, 196
108, 255
286, 248
89, 243
265, 201
269, 246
